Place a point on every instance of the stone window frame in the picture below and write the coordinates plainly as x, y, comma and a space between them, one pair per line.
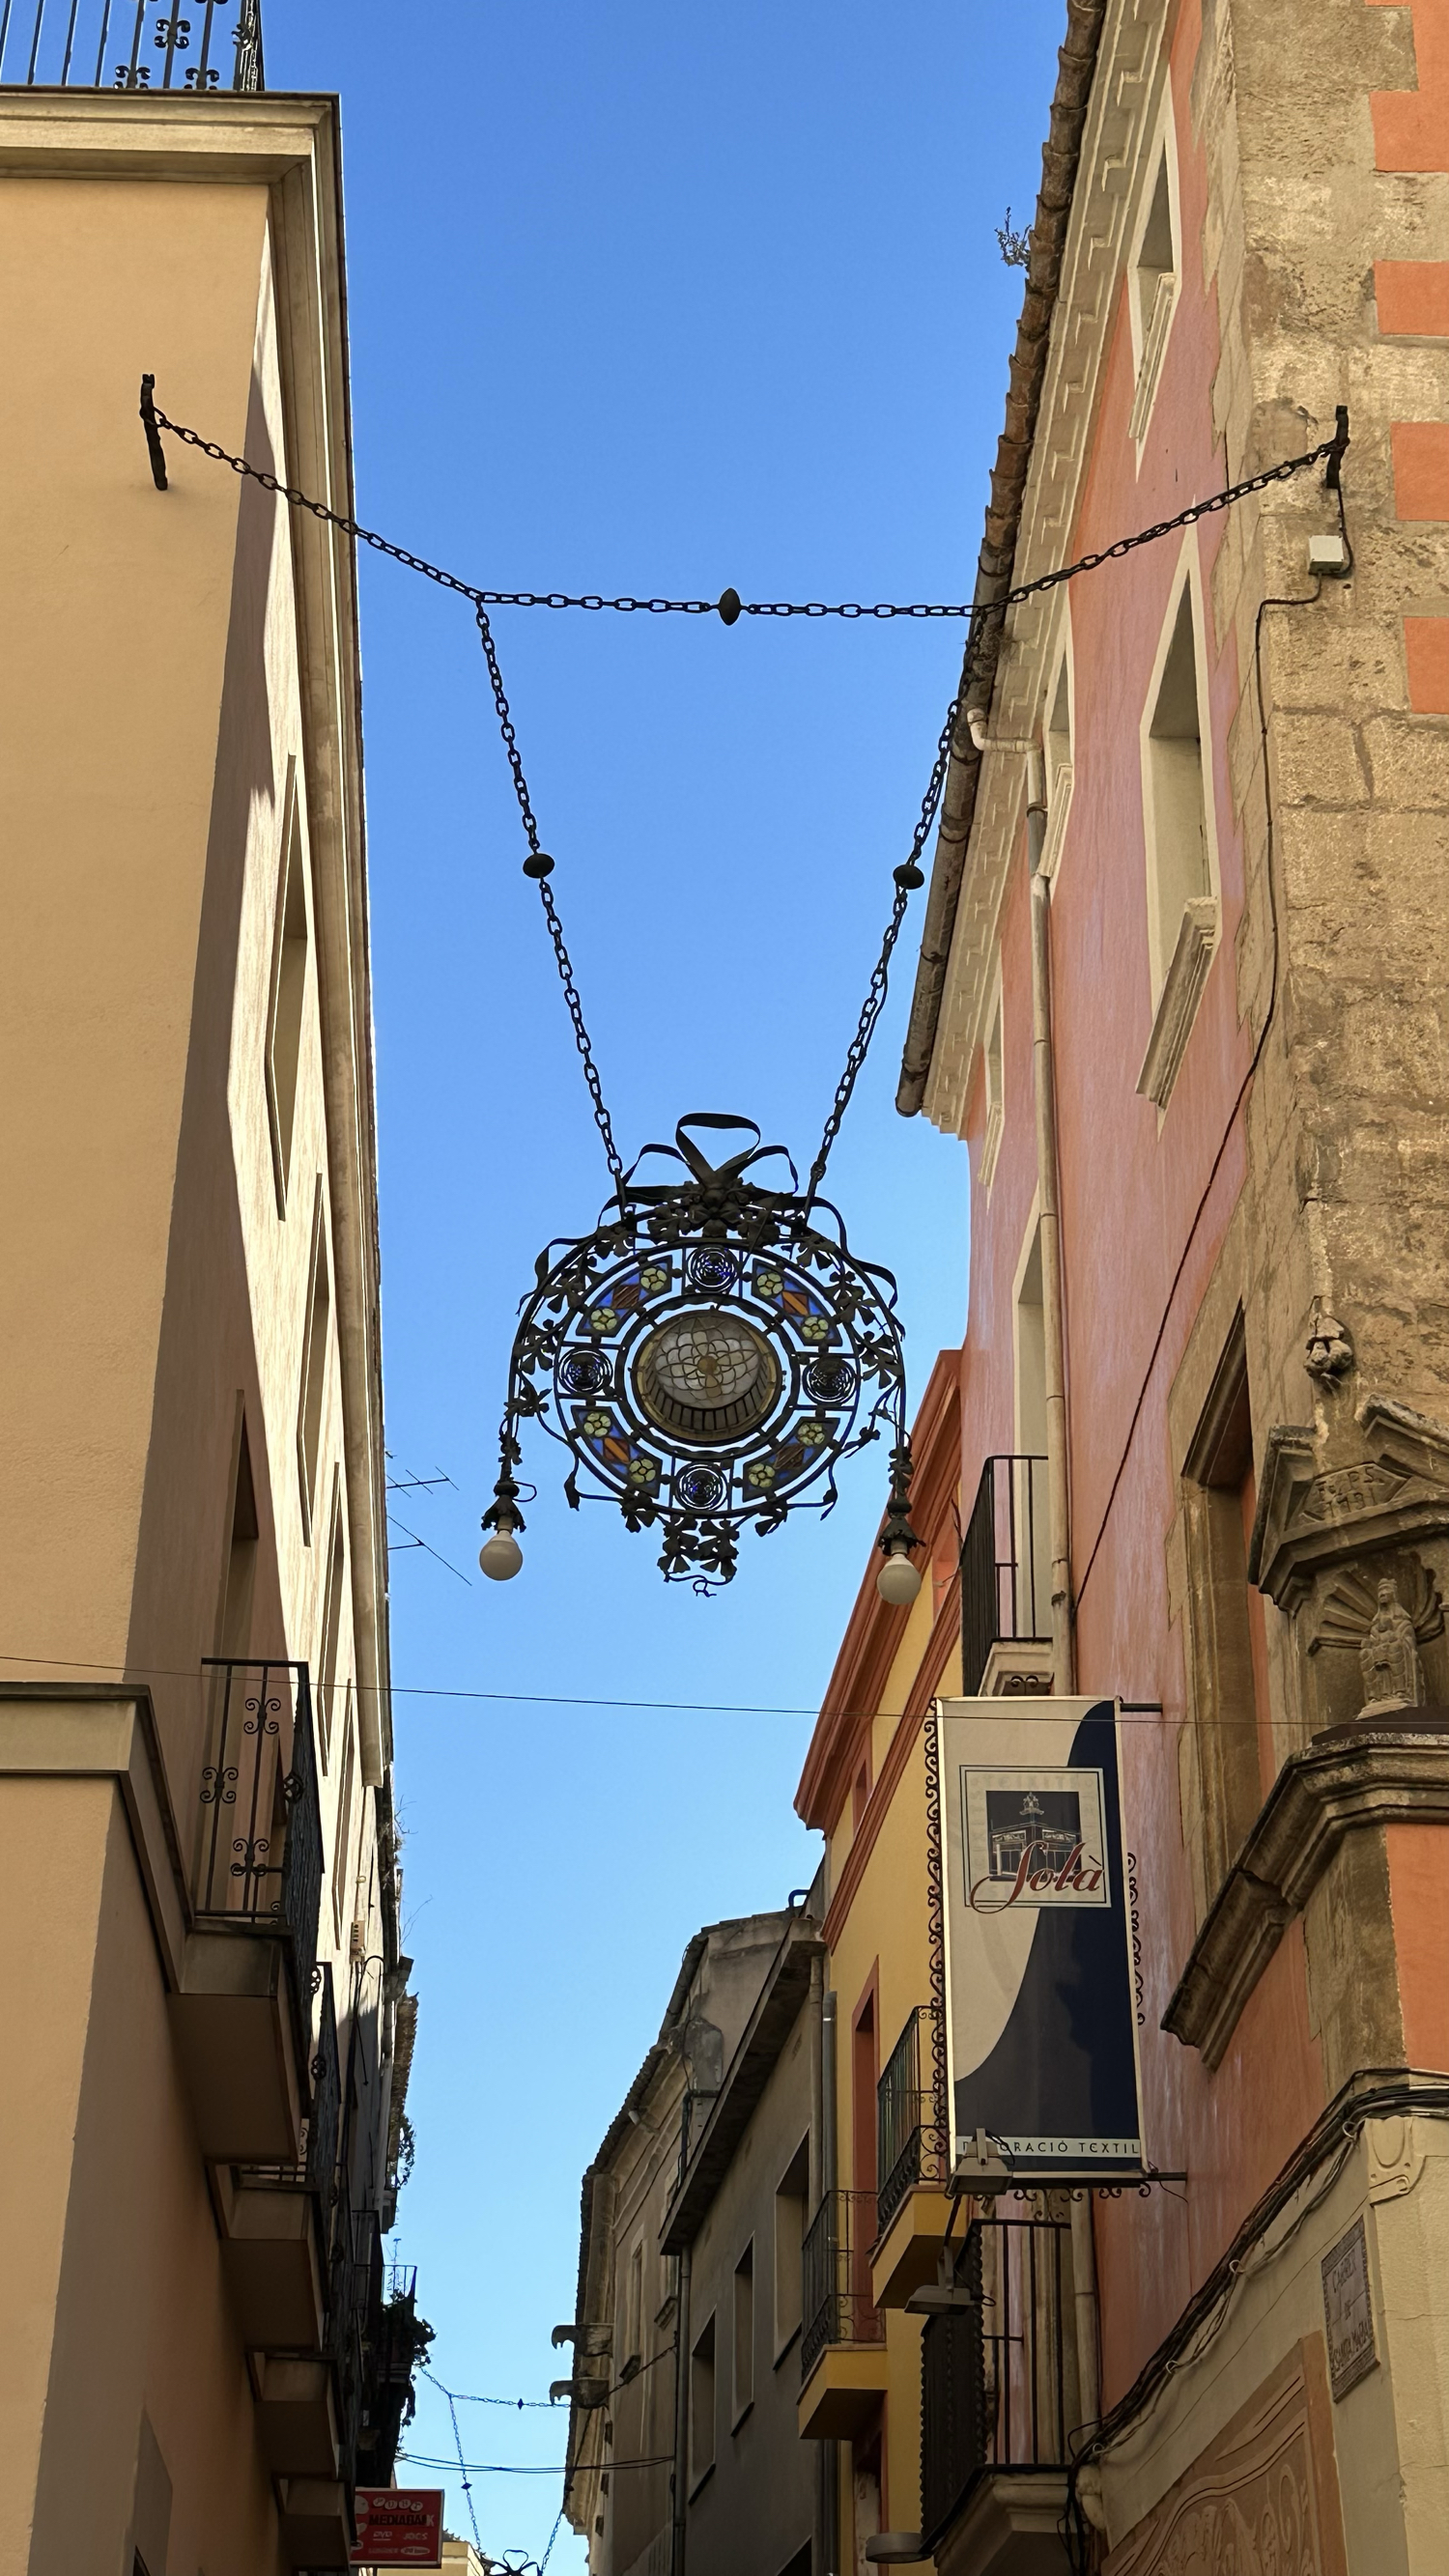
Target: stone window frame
1180, 955
1058, 766
993, 1065
1222, 1721
1151, 328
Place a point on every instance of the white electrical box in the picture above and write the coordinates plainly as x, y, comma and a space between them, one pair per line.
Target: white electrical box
1327, 555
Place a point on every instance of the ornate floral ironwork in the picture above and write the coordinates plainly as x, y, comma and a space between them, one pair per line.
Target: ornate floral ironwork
709, 1354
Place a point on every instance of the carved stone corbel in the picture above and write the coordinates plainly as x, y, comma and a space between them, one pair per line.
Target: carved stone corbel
1351, 1541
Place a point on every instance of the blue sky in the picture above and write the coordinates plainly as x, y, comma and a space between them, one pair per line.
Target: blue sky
655, 300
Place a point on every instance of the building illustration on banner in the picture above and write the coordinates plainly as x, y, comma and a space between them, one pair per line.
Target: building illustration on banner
1032, 1838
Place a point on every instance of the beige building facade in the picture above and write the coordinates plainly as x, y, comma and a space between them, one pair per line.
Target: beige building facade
199, 1884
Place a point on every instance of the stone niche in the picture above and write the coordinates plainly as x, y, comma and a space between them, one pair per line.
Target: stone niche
1351, 1541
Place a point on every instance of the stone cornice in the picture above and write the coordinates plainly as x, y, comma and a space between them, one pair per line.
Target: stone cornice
1124, 94
1355, 1777
1076, 64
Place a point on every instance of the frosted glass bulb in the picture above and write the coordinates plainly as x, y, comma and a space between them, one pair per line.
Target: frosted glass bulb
500, 1556
898, 1581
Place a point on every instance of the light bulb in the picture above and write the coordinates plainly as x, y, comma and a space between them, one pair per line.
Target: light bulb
501, 1556
898, 1581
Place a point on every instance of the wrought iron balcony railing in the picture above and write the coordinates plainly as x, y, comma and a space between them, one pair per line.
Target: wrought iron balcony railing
909, 2145
835, 2265
994, 2378
1005, 1565
318, 2169
257, 1861
132, 45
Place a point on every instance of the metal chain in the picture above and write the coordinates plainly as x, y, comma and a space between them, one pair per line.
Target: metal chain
908, 876
729, 607
539, 865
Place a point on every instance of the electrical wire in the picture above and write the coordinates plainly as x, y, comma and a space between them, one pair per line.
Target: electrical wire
462, 2398
488, 2469
462, 2463
1143, 1713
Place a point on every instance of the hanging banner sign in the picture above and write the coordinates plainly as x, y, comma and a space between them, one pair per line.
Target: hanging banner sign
398, 2527
1041, 2020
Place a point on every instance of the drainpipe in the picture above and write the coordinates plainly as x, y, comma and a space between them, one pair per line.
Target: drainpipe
829, 2451
1064, 1676
1084, 2301
1064, 1659
681, 2415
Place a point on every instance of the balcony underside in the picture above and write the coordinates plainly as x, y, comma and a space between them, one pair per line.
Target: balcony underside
236, 2036
843, 2392
316, 2528
910, 2249
269, 2254
296, 2417
1009, 2524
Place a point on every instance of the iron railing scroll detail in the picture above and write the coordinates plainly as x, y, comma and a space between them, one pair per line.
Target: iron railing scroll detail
200, 47
1005, 1565
909, 2144
994, 2393
835, 2257
257, 1860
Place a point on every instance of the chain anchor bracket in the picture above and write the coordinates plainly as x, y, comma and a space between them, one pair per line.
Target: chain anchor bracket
154, 448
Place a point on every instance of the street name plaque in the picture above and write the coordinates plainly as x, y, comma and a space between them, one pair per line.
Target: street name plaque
1348, 2313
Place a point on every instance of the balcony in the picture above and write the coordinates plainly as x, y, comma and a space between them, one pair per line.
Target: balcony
242, 2019
276, 2219
1006, 1610
398, 2340
842, 2348
911, 2205
115, 44
310, 2407
998, 2387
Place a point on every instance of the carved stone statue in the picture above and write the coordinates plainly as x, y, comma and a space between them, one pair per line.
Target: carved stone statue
1388, 1659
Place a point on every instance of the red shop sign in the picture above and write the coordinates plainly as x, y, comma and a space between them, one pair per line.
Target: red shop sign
399, 2527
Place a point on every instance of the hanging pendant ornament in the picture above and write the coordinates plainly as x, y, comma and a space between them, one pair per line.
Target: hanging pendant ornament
714, 1348
708, 1355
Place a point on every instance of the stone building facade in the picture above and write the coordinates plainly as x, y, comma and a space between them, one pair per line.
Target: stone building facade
1178, 991
682, 2446
205, 2012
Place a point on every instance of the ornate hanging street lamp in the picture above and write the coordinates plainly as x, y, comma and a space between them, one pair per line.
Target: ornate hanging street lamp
708, 1355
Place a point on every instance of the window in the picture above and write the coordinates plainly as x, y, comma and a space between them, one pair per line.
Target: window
289, 988
1153, 282
1227, 1629
701, 2406
792, 2199
995, 1103
634, 2308
1029, 1510
241, 1559
1182, 911
342, 1848
314, 1361
1057, 761
744, 2380
332, 1601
